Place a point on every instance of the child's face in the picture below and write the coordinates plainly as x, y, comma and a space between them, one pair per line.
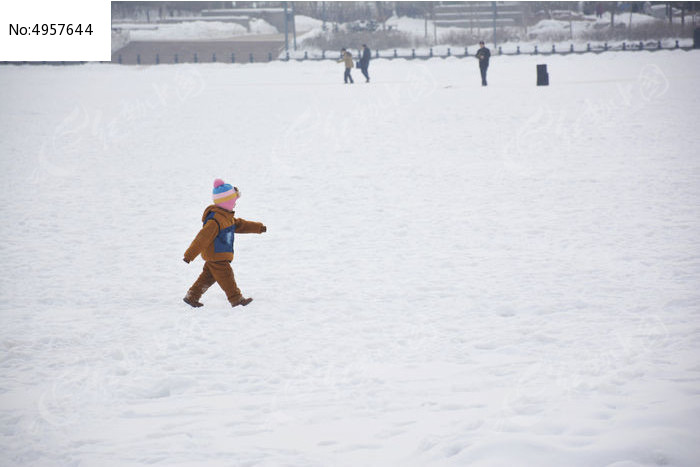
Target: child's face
231, 204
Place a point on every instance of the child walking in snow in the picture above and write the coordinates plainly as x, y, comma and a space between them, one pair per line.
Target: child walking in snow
346, 57
215, 243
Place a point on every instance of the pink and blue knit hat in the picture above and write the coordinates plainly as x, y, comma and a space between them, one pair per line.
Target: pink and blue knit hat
225, 195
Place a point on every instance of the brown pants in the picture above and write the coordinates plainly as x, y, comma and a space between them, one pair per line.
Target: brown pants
220, 272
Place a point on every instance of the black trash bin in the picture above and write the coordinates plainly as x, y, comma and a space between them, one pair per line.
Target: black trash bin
696, 39
542, 75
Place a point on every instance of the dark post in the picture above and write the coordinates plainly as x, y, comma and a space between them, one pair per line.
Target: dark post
251, 57
376, 53
682, 16
286, 28
213, 57
535, 50
294, 28
233, 57
641, 45
175, 60
554, 50
495, 14
138, 59
677, 44
605, 47
195, 57
588, 47
517, 51
306, 55
413, 53
120, 59
696, 38
286, 56
659, 45
323, 54
500, 50
624, 46
448, 51
572, 48
269, 56
431, 51
395, 53
542, 75
466, 51
157, 59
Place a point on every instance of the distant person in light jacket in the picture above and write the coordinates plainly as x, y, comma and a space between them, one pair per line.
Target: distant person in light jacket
483, 55
364, 60
347, 58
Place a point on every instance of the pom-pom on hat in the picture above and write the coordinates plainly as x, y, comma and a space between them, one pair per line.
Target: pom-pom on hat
225, 195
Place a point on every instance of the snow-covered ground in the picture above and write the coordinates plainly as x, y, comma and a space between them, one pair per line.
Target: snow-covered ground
452, 275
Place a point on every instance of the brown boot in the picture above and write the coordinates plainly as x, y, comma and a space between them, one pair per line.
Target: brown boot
241, 301
191, 301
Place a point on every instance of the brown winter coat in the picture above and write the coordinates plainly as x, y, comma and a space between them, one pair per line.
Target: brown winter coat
204, 241
347, 58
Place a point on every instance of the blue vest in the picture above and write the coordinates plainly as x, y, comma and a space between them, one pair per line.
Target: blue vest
223, 243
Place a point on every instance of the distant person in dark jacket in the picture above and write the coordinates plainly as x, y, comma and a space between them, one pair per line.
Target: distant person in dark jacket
346, 58
483, 55
364, 60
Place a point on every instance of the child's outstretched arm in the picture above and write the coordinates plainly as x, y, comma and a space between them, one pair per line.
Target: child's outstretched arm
203, 238
244, 226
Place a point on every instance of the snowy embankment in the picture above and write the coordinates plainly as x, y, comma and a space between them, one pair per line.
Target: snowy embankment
543, 35
187, 30
452, 275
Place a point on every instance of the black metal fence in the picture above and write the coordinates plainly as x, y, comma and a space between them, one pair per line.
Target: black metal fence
158, 58
415, 54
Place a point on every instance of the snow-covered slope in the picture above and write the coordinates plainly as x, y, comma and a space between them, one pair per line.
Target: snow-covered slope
195, 30
452, 275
